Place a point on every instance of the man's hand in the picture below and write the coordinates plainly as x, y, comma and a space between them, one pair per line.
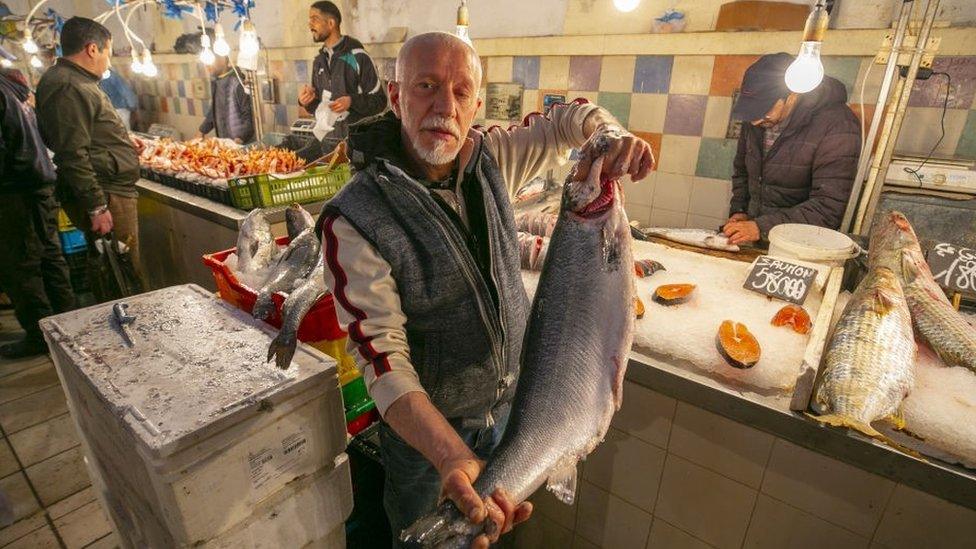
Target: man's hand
138, 144
741, 216
101, 222
341, 104
457, 477
306, 95
741, 232
199, 135
627, 154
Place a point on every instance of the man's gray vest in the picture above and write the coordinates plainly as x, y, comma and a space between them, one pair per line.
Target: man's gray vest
466, 352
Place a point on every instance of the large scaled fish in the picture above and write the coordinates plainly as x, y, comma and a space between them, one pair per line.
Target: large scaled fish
293, 310
701, 238
870, 359
895, 245
256, 247
301, 256
297, 220
577, 341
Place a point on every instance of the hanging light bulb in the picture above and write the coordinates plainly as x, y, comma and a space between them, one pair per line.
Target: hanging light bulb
249, 44
135, 64
806, 72
220, 47
148, 67
30, 46
626, 5
35, 62
6, 63
462, 22
206, 54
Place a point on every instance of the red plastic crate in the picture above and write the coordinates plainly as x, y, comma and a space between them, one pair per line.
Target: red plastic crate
320, 323
357, 425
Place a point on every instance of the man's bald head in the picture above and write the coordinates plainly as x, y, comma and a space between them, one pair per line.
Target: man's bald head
435, 40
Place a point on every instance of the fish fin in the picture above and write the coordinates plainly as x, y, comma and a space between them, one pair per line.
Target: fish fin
618, 382
866, 429
562, 482
909, 269
897, 420
883, 303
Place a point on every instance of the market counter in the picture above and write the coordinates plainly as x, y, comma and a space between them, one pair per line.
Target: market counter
177, 228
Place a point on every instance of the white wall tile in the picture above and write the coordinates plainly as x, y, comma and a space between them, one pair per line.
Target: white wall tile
717, 113
641, 192
499, 69
704, 222
546, 504
530, 102
540, 531
922, 127
617, 74
673, 191
554, 72
590, 96
776, 524
639, 213
679, 154
627, 467
705, 504
647, 111
645, 414
692, 74
917, 519
667, 218
666, 536
727, 447
832, 490
710, 197
608, 521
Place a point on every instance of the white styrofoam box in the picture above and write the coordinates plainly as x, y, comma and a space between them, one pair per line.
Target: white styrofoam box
190, 427
308, 510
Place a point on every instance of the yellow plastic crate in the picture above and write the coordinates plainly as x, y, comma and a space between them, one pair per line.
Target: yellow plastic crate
64, 224
336, 348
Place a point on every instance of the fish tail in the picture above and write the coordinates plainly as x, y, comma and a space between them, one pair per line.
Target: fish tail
443, 528
282, 349
262, 306
866, 429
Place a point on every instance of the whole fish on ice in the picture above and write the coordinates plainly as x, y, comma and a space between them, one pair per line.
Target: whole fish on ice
577, 341
297, 220
256, 247
870, 359
293, 310
895, 245
700, 238
300, 257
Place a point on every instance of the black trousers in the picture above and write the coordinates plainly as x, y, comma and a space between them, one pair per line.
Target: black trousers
33, 272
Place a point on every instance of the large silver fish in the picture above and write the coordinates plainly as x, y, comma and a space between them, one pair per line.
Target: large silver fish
301, 256
870, 359
895, 245
293, 310
256, 247
577, 341
297, 220
701, 238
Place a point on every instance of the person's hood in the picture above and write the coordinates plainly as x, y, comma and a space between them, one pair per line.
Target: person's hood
376, 138
15, 81
345, 45
831, 92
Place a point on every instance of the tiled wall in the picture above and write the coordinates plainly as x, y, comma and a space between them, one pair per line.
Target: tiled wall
678, 103
670, 475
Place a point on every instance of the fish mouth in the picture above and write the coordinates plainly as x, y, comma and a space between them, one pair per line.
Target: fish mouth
602, 203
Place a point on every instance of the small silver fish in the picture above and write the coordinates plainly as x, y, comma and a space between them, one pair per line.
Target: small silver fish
256, 247
301, 256
701, 238
297, 220
293, 310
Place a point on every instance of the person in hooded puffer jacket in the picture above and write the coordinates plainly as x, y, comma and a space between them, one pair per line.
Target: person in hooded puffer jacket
797, 154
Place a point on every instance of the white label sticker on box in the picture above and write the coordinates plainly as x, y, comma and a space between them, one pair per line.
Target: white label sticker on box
270, 462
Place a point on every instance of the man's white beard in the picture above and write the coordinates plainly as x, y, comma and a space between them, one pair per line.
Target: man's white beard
438, 156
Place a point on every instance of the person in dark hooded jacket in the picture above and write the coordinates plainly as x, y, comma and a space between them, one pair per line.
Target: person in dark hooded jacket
32, 270
797, 154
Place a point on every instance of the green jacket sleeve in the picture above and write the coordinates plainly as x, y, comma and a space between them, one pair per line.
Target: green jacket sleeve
66, 120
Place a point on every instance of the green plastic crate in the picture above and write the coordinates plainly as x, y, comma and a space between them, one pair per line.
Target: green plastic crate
264, 191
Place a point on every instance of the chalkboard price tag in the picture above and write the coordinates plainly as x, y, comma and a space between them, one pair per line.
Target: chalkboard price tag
780, 279
953, 267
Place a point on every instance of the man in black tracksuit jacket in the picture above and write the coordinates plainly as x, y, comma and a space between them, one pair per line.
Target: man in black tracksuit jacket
33, 272
346, 71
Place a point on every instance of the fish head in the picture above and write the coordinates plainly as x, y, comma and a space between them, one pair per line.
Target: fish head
885, 289
892, 232
593, 197
297, 220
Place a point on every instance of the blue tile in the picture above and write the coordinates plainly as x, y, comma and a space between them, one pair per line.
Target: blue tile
967, 143
301, 71
281, 115
181, 86
652, 73
525, 70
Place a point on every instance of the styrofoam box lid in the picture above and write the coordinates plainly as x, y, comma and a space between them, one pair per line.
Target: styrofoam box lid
197, 366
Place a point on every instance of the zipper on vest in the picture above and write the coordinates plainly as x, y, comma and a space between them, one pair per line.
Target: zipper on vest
470, 273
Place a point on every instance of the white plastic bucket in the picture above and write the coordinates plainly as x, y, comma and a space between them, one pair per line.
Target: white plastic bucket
811, 243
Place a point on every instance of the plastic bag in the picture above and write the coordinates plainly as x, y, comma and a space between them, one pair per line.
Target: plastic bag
325, 117
111, 271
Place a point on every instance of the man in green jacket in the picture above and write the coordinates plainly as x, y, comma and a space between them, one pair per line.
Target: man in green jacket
97, 162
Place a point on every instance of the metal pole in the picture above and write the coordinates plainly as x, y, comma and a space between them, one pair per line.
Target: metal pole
877, 176
255, 86
865, 158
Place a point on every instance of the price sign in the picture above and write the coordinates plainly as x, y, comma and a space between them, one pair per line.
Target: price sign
780, 279
953, 267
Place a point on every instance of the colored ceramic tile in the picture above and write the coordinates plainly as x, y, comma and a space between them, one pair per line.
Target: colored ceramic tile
679, 154
181, 88
554, 72
967, 142
550, 96
654, 140
163, 106
718, 111
686, 114
500, 69
302, 71
584, 72
185, 68
647, 111
617, 73
590, 96
652, 73
617, 103
191, 107
692, 74
715, 157
525, 70
530, 98
922, 128
281, 115
845, 69
727, 73
932, 92
278, 69
177, 105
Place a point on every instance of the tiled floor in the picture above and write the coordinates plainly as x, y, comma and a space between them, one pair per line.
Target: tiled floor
42, 472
